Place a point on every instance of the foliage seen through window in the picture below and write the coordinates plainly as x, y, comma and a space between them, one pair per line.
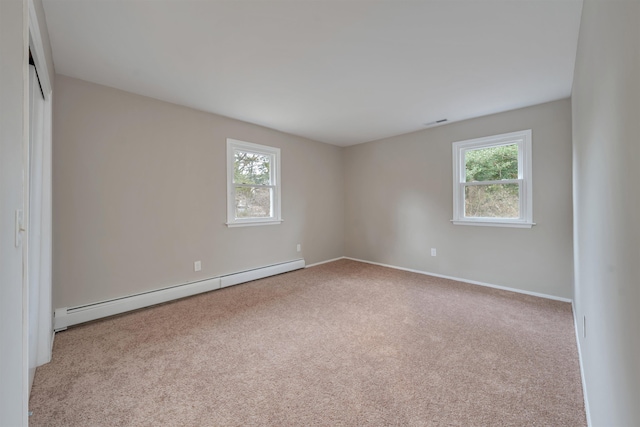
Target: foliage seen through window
253, 171
493, 200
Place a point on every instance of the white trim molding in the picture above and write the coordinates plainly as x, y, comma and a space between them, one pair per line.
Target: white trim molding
325, 262
37, 51
473, 282
582, 377
494, 223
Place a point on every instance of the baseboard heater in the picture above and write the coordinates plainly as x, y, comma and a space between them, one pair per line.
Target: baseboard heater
68, 316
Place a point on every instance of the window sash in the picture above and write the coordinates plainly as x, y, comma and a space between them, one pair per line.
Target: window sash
271, 187
519, 142
272, 201
272, 162
521, 204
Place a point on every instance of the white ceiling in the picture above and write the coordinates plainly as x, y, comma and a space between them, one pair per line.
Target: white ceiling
336, 71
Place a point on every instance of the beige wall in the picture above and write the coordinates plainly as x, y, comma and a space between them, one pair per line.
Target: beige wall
399, 205
14, 119
606, 151
140, 194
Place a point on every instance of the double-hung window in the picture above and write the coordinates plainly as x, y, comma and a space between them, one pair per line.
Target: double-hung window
253, 184
492, 181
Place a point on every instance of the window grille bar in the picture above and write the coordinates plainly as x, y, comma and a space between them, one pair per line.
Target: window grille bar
254, 186
504, 181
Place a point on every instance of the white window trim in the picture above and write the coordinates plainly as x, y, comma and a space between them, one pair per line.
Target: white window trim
523, 140
232, 221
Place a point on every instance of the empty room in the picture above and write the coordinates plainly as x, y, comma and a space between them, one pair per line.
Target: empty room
306, 212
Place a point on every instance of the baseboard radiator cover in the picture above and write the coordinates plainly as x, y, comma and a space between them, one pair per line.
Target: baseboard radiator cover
259, 273
69, 316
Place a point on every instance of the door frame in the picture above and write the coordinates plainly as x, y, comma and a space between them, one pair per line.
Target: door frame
35, 47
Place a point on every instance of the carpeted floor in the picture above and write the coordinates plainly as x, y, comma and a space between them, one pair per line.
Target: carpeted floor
340, 344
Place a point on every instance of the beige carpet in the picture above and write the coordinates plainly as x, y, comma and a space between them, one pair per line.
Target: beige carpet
341, 344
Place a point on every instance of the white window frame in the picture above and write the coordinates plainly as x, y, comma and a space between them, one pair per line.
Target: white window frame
274, 153
525, 182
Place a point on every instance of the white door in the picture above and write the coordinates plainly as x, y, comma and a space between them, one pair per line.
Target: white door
39, 231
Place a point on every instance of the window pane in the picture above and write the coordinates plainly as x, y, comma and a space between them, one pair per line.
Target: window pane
492, 163
252, 168
492, 201
253, 202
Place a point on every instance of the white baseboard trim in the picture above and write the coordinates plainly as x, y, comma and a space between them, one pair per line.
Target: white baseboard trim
473, 282
68, 316
324, 262
584, 383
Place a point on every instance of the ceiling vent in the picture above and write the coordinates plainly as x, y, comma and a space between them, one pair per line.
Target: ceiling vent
436, 123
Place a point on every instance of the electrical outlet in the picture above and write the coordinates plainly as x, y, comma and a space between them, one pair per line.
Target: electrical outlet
298, 247
433, 252
197, 266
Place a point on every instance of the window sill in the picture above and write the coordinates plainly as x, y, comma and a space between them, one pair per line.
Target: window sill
253, 223
494, 223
